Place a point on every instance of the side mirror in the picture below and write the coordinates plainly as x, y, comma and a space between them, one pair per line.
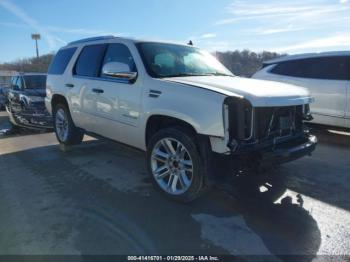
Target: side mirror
119, 70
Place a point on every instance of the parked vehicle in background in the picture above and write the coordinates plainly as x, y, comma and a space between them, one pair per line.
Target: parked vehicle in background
194, 118
326, 75
26, 105
3, 95
5, 80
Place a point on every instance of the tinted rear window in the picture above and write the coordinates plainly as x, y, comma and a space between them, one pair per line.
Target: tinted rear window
332, 68
89, 61
35, 82
61, 61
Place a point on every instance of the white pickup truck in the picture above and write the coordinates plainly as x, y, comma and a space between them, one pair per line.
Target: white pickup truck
193, 117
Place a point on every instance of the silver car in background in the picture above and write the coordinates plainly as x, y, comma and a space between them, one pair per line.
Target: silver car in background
325, 75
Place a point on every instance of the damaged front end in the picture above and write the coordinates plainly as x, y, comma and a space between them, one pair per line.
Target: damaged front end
267, 135
31, 115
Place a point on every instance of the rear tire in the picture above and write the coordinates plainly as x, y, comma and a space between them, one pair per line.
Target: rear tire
66, 132
175, 165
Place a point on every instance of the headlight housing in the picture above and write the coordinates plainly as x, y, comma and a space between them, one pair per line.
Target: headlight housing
239, 118
307, 113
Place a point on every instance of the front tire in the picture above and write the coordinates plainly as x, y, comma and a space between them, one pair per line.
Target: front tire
175, 165
66, 132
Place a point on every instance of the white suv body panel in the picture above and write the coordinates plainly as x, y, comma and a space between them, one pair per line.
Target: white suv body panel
122, 111
259, 93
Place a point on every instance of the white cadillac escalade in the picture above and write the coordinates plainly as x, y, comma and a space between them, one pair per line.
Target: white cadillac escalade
193, 117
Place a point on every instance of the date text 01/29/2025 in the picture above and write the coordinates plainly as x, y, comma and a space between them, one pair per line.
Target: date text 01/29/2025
173, 258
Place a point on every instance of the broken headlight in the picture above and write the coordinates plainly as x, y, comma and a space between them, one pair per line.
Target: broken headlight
33, 99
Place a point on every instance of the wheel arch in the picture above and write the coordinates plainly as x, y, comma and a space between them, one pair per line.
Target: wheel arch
56, 99
157, 122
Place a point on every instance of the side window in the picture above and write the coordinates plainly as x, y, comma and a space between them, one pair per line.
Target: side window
121, 54
294, 68
332, 68
89, 61
61, 60
347, 67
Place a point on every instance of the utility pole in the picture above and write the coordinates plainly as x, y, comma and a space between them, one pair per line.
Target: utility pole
36, 37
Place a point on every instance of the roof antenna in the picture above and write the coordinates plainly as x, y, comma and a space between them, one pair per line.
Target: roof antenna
190, 43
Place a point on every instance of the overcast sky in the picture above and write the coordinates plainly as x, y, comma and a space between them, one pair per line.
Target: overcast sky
282, 26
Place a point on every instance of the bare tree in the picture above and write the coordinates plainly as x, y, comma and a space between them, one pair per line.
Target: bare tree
244, 63
34, 64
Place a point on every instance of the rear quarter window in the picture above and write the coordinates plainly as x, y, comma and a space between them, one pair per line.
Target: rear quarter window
61, 60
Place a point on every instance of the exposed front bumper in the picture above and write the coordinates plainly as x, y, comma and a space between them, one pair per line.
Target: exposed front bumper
251, 156
289, 151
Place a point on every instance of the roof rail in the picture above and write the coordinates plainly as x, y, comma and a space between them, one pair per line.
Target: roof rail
92, 39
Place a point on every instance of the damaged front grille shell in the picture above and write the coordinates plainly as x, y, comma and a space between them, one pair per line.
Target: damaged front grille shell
255, 128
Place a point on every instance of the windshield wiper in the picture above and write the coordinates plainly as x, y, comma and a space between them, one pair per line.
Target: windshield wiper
217, 74
183, 74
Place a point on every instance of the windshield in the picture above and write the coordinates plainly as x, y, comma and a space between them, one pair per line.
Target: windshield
170, 60
35, 81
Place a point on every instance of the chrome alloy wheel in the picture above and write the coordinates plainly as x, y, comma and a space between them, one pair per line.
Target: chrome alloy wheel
61, 124
172, 166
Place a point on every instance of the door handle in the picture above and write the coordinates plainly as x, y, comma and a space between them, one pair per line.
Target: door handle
97, 90
69, 85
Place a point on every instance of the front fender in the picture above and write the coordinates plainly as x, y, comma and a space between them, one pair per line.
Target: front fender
200, 108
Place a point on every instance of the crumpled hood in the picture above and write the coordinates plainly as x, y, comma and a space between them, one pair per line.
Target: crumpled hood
258, 92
